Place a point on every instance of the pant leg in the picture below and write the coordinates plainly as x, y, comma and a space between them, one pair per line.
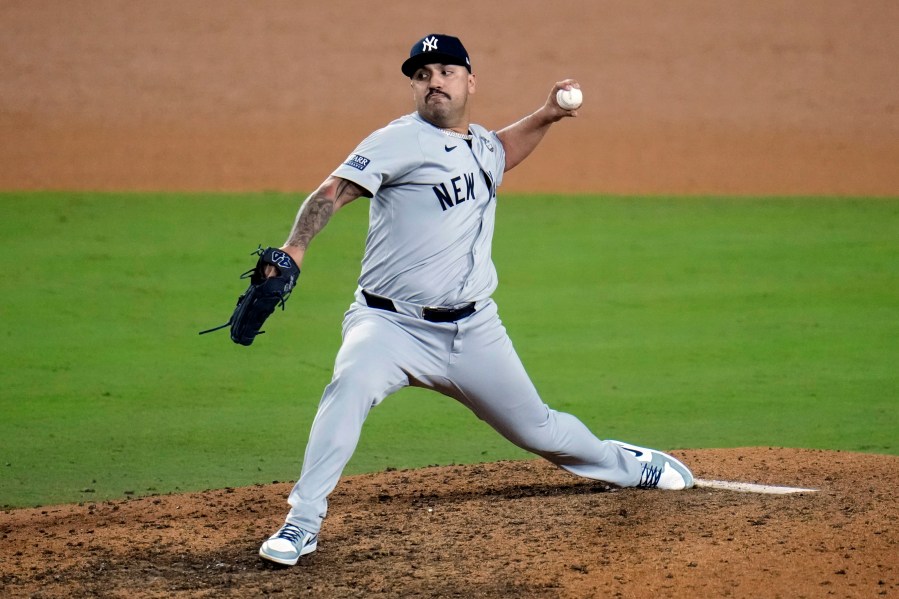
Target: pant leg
368, 368
487, 375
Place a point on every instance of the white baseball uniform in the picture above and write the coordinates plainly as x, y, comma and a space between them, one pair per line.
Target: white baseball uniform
433, 206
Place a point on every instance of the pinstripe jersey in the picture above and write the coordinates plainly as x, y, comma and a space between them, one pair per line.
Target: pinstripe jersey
432, 211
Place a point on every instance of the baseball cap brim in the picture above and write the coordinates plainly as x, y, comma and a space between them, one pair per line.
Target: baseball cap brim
419, 60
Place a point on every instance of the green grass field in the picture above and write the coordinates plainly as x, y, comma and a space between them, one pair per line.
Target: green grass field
674, 322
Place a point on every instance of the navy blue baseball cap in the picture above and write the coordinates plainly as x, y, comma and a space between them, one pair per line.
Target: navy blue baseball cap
436, 48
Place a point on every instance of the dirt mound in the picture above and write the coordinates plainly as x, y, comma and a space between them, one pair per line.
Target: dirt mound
508, 529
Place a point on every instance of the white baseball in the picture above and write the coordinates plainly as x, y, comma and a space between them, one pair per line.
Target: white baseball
570, 99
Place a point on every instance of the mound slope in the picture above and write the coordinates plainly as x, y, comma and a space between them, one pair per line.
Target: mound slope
507, 529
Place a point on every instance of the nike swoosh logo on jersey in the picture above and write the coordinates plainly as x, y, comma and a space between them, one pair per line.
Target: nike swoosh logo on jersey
449, 148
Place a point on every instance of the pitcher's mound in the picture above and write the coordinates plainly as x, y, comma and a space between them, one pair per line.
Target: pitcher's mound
507, 529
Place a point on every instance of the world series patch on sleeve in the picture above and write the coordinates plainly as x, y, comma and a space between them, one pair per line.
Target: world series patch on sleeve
264, 294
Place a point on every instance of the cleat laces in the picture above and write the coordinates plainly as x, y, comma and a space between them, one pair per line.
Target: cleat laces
649, 477
291, 533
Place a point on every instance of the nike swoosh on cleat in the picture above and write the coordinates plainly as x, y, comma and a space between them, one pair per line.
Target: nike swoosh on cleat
633, 451
449, 148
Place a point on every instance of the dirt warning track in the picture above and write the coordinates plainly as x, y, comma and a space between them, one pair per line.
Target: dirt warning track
693, 97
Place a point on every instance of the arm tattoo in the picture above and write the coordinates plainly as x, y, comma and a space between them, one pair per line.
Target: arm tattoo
347, 191
317, 210
314, 214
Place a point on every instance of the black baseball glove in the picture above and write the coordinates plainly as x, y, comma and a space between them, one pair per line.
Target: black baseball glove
262, 296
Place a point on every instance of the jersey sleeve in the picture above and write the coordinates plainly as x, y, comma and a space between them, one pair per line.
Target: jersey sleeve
500, 156
382, 157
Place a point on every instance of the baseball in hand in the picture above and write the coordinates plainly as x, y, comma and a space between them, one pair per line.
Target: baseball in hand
570, 99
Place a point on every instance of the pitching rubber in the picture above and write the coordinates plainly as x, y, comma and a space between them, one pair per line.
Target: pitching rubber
749, 487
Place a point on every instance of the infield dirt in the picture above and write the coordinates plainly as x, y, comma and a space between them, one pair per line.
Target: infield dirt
772, 97
508, 529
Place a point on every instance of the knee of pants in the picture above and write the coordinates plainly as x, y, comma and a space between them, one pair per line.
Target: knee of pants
557, 435
537, 442
366, 385
535, 436
343, 409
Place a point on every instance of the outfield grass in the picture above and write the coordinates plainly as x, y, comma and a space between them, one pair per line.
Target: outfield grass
675, 322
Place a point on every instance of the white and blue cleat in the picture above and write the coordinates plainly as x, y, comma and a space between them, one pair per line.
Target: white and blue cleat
287, 545
660, 470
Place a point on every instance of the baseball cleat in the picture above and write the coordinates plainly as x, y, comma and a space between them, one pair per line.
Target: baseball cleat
660, 470
287, 545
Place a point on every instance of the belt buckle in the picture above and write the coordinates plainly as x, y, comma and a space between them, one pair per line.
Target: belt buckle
430, 312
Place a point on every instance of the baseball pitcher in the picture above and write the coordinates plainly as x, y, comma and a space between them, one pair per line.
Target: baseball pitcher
423, 314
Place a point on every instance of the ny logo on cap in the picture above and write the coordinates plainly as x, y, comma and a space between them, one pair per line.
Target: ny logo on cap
430, 44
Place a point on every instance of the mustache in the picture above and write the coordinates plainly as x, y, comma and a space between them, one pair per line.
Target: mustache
437, 92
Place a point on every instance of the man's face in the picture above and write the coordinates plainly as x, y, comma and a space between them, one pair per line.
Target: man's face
441, 93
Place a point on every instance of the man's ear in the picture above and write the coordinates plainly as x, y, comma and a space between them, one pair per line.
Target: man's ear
472, 83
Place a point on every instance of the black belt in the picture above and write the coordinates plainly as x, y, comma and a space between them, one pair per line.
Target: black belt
429, 314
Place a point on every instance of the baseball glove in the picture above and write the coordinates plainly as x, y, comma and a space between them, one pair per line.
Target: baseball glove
262, 296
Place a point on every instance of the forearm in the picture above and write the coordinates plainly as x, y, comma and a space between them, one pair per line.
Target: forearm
315, 212
520, 139
312, 217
